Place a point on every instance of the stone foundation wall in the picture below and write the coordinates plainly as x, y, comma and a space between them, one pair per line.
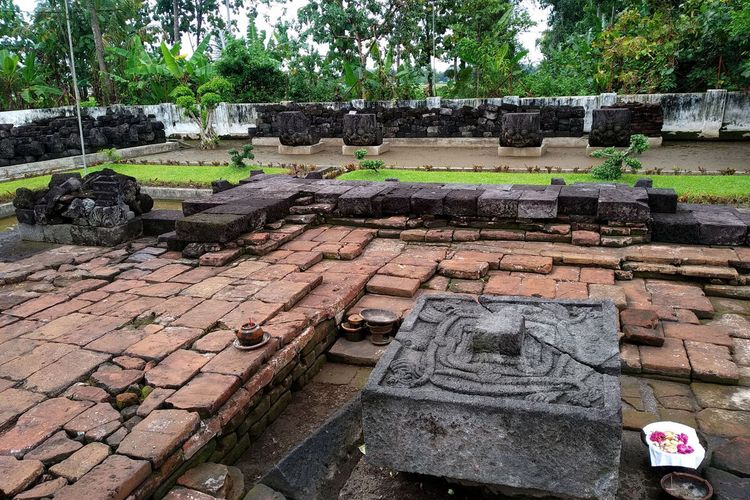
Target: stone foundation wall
449, 119
646, 119
58, 137
242, 420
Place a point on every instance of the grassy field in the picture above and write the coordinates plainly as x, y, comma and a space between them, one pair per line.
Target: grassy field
698, 188
149, 175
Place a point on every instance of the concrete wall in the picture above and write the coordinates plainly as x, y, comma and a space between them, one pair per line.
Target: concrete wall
716, 114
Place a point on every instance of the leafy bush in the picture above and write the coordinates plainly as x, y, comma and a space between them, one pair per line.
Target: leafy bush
373, 165
237, 159
360, 154
611, 169
113, 156
253, 74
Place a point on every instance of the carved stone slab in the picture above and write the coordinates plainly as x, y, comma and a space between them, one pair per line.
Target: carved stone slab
610, 127
295, 129
521, 130
516, 393
362, 130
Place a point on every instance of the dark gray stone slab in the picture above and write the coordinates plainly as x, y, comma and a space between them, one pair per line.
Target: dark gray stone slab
205, 228
496, 203
461, 203
330, 192
623, 205
680, 227
308, 471
359, 200
578, 200
516, 393
428, 201
396, 201
720, 228
727, 486
662, 200
538, 204
158, 222
72, 234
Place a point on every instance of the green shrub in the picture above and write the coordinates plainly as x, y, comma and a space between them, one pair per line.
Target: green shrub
611, 169
360, 154
113, 156
237, 159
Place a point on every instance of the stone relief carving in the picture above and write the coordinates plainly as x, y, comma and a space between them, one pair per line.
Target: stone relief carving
532, 351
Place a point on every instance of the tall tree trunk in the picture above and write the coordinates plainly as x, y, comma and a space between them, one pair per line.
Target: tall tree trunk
106, 83
175, 22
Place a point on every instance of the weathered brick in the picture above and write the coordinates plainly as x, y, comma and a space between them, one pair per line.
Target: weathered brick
159, 435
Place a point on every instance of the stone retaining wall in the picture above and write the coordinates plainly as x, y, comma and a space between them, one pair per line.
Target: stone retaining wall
449, 118
58, 137
250, 410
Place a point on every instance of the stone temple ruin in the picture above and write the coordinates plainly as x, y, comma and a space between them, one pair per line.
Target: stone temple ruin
518, 394
101, 209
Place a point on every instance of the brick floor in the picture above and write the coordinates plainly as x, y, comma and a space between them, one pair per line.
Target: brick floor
140, 360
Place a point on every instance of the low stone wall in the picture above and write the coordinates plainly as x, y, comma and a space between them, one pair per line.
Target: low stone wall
715, 114
58, 137
441, 118
581, 214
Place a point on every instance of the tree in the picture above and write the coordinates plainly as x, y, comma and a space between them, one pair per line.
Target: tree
107, 89
200, 106
247, 65
22, 83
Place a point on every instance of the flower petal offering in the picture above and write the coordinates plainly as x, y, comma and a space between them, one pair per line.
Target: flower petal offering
671, 442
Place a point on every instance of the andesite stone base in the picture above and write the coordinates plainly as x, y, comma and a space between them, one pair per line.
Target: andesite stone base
301, 150
521, 395
71, 234
529, 152
371, 150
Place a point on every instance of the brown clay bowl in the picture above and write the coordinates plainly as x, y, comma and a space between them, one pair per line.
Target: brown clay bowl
379, 316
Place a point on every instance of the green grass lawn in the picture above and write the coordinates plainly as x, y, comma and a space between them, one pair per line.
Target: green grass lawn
149, 175
706, 188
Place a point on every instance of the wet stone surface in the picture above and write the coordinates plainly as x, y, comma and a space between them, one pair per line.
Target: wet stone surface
468, 383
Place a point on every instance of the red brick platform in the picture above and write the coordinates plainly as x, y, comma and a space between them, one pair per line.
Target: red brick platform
117, 373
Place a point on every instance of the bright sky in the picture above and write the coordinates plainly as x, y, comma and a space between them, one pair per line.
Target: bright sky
268, 15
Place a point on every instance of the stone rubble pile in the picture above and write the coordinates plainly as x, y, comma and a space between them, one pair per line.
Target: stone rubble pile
51, 138
78, 205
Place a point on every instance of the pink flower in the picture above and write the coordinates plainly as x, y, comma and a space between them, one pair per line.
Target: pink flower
657, 436
684, 449
682, 438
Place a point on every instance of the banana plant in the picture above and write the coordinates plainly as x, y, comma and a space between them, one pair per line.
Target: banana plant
22, 83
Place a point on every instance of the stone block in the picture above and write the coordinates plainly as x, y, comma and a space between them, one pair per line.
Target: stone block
538, 204
719, 227
359, 201
371, 150
301, 150
158, 222
662, 200
578, 200
428, 201
203, 227
623, 205
525, 152
461, 203
679, 227
466, 384
397, 201
498, 203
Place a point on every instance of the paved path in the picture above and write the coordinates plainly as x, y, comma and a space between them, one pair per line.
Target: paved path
116, 368
712, 156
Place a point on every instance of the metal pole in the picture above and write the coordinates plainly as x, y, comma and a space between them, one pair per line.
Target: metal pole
75, 88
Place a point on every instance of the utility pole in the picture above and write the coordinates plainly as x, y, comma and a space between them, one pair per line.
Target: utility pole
75, 88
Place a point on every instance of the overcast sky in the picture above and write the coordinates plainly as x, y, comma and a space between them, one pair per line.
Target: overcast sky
288, 10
